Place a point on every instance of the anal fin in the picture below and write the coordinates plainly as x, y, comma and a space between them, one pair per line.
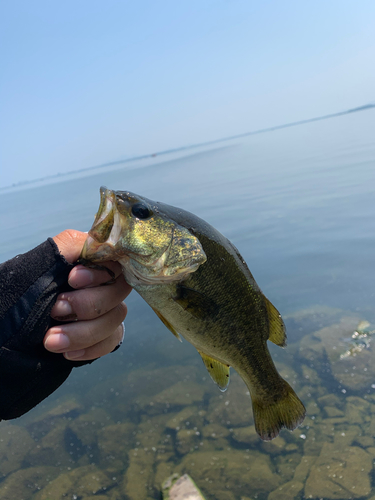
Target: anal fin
167, 324
218, 371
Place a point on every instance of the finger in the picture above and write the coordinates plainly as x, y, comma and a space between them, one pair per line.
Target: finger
84, 334
70, 243
100, 349
89, 303
81, 276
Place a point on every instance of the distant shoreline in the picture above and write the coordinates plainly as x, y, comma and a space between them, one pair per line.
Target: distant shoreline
191, 146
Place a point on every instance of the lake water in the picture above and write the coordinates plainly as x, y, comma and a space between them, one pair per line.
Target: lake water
299, 205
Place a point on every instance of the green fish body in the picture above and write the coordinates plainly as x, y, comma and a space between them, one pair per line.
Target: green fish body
201, 288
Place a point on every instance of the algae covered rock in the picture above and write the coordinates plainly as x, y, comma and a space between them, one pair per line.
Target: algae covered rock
77, 483
232, 408
306, 321
340, 474
246, 436
114, 442
303, 468
214, 437
15, 443
52, 449
187, 440
357, 410
23, 483
274, 447
138, 481
151, 433
231, 470
355, 372
286, 465
176, 396
68, 409
86, 426
287, 491
189, 417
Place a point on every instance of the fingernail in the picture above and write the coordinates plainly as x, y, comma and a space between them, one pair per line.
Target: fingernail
74, 354
80, 277
56, 342
63, 311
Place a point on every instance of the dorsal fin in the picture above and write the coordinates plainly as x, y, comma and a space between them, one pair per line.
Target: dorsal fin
217, 370
167, 324
277, 333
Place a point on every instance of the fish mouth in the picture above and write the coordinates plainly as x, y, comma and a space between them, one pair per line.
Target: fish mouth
99, 245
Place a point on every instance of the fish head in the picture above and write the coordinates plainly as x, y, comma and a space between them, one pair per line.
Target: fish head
151, 247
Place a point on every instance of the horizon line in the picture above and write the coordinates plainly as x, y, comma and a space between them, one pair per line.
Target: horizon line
192, 146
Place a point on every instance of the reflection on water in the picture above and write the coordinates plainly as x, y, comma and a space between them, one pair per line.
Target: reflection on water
129, 433
299, 205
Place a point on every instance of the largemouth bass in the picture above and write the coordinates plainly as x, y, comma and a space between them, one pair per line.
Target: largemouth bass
201, 288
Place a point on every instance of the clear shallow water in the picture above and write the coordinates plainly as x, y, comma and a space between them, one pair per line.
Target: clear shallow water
299, 205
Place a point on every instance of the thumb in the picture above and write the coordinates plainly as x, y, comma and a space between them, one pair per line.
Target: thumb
70, 243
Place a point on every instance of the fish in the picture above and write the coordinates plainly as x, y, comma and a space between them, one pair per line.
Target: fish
200, 287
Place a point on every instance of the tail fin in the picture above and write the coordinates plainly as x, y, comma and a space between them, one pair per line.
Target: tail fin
271, 416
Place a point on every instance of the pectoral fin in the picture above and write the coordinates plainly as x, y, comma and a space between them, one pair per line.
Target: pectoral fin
277, 333
217, 370
167, 324
197, 304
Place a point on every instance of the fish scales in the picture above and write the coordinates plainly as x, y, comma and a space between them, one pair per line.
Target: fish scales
201, 288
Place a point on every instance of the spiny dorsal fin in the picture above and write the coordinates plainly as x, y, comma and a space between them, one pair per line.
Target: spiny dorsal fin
277, 328
167, 324
217, 370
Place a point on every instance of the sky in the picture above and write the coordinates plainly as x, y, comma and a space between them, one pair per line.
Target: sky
88, 82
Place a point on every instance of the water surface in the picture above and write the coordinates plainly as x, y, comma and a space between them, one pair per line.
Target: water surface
299, 205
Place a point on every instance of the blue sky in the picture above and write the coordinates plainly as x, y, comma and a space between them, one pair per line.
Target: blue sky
87, 82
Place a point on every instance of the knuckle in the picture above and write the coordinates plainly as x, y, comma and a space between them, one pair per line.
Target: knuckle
122, 311
72, 235
91, 335
83, 303
119, 334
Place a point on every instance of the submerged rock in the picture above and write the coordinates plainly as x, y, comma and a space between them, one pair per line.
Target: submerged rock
187, 441
355, 372
86, 426
15, 444
274, 447
52, 448
181, 488
309, 320
174, 397
152, 434
231, 470
340, 474
25, 482
77, 483
189, 417
303, 468
287, 491
286, 464
232, 408
138, 482
64, 411
114, 442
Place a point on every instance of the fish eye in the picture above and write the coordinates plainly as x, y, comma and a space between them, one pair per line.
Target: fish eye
141, 211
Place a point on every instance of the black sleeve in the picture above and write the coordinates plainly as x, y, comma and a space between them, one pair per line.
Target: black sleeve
29, 285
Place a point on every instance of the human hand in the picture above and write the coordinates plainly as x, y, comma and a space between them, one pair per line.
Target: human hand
94, 313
